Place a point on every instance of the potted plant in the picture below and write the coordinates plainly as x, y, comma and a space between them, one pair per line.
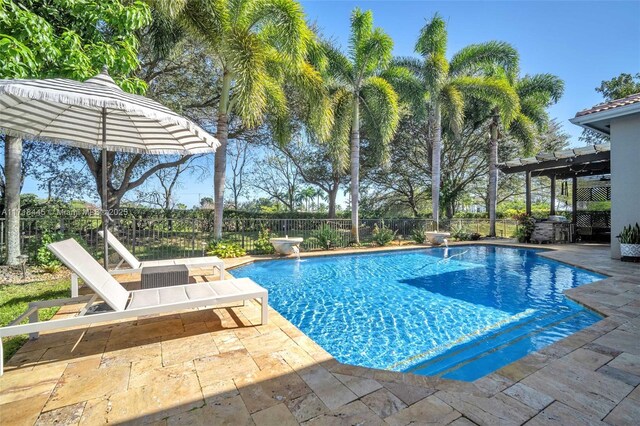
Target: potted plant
630, 241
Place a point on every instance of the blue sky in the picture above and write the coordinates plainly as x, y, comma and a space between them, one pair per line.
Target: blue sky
581, 42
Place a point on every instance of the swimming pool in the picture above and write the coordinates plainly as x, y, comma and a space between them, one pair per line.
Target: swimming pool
461, 312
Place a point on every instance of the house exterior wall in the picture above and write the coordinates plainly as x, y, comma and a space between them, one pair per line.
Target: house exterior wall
625, 176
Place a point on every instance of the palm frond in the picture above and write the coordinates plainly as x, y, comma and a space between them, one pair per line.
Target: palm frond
206, 20
361, 29
376, 52
495, 91
547, 88
282, 23
338, 140
524, 130
409, 87
164, 32
436, 72
380, 113
278, 110
476, 57
311, 87
451, 103
338, 65
432, 39
170, 8
414, 65
246, 58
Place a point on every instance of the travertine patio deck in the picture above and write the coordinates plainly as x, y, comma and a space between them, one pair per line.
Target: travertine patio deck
217, 367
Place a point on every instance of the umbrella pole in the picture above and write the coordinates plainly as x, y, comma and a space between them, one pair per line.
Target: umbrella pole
105, 216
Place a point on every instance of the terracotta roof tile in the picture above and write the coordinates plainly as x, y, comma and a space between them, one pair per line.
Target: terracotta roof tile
617, 103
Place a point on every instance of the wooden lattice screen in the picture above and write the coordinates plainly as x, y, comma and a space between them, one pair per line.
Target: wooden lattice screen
598, 193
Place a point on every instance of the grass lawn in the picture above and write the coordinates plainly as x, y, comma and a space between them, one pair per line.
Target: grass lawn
14, 300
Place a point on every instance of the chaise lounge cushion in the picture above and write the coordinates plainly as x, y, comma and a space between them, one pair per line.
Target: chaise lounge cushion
169, 295
190, 292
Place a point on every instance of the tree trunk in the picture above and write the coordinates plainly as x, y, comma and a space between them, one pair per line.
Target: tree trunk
333, 193
220, 166
436, 149
493, 172
13, 177
355, 170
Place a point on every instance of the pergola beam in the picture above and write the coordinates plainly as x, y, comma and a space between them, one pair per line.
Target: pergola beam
561, 163
593, 169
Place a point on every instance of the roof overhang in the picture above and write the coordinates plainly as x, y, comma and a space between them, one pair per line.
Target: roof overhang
601, 121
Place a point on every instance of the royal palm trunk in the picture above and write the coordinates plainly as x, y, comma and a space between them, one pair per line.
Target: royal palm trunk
355, 170
436, 150
493, 173
220, 164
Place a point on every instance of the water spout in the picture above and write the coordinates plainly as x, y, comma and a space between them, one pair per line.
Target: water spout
296, 250
446, 243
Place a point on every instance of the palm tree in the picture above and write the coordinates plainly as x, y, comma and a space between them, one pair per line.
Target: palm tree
446, 84
261, 46
362, 98
536, 93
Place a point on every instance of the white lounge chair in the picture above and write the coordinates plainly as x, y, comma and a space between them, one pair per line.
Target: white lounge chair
127, 304
136, 266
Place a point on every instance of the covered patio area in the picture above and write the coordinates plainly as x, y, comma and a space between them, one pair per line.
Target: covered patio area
570, 166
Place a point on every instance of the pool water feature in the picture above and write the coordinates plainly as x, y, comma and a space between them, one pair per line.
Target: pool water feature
458, 312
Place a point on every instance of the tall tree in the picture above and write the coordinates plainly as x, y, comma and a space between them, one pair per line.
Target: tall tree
260, 45
317, 164
363, 99
75, 41
536, 93
448, 83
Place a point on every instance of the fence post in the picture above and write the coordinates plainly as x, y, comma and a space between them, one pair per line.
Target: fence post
193, 235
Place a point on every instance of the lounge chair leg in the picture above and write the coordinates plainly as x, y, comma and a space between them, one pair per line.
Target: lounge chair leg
74, 285
265, 309
33, 317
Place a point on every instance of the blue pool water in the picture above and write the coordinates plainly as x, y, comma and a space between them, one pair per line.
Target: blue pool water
460, 313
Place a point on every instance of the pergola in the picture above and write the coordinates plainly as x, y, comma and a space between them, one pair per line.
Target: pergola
571, 164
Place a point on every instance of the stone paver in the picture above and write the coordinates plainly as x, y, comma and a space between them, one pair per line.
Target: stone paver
431, 410
220, 366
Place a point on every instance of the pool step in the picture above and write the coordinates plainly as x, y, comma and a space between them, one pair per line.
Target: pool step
473, 360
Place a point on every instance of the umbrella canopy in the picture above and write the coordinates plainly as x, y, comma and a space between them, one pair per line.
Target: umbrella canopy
97, 114
71, 112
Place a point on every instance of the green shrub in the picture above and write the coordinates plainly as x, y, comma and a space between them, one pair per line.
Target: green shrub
382, 235
526, 226
630, 235
326, 237
262, 245
44, 256
460, 233
225, 249
418, 235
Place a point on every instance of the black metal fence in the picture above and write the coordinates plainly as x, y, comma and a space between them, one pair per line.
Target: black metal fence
151, 238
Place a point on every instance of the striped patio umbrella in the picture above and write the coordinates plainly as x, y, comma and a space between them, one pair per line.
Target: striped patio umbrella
97, 114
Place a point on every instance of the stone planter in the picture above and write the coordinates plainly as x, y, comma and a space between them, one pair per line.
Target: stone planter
285, 246
436, 238
630, 250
